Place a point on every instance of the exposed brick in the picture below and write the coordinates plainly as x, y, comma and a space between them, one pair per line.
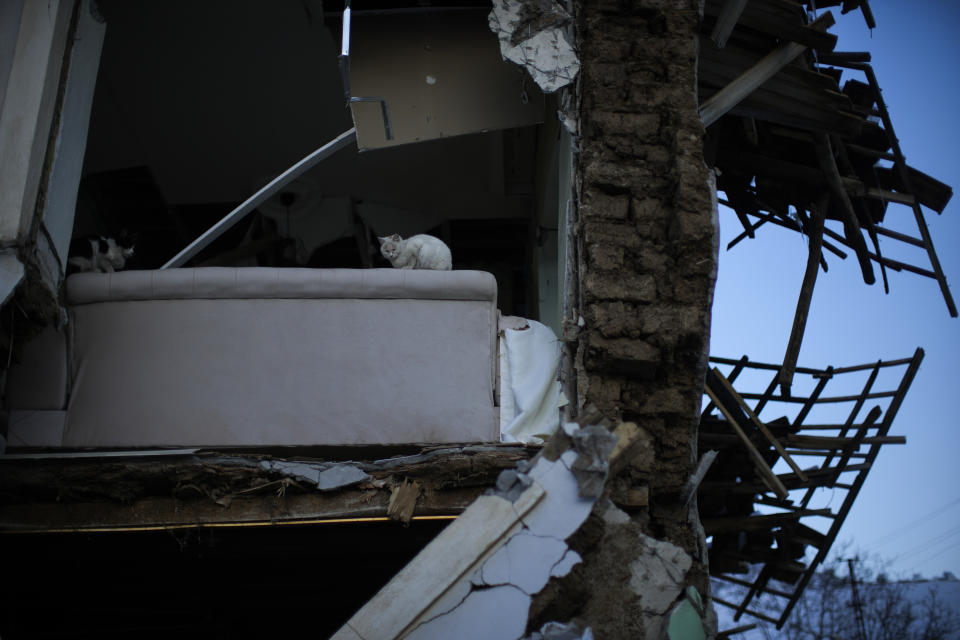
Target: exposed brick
623, 356
601, 205
626, 286
669, 400
604, 256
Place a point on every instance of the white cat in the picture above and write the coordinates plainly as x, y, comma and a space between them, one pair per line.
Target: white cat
416, 252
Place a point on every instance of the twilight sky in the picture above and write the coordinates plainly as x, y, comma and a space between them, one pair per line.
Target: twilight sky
909, 510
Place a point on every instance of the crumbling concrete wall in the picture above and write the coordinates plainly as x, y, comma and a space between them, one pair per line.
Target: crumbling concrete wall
646, 246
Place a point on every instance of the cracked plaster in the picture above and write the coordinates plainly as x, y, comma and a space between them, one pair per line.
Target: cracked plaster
658, 576
493, 601
485, 614
528, 562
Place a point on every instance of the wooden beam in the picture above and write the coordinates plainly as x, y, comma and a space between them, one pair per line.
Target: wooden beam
815, 233
759, 425
851, 225
726, 21
829, 442
758, 523
256, 510
746, 83
769, 478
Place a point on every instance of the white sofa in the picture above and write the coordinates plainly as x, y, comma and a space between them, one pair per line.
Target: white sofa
262, 356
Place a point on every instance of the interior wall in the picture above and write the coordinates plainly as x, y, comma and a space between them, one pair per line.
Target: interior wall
199, 105
10, 11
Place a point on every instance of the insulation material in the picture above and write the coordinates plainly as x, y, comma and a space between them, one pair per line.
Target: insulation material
530, 395
534, 35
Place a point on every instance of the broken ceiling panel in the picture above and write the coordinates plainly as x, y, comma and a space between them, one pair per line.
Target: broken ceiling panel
534, 36
433, 74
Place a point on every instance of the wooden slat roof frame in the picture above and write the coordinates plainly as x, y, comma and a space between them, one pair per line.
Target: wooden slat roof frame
853, 449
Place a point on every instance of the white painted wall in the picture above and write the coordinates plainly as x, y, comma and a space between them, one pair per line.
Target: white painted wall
61, 202
28, 110
10, 11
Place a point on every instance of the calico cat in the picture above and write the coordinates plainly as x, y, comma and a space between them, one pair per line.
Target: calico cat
416, 252
99, 254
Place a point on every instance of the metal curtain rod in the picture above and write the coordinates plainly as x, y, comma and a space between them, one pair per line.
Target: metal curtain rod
261, 196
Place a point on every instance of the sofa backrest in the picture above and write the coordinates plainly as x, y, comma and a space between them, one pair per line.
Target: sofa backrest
263, 356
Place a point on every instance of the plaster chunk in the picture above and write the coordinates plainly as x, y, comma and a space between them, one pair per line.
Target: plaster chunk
525, 561
486, 614
342, 475
561, 631
533, 35
657, 575
614, 515
569, 560
324, 477
562, 510
593, 445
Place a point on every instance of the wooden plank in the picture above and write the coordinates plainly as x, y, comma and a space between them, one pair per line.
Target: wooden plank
778, 91
777, 19
746, 83
850, 223
758, 523
817, 372
441, 564
857, 484
792, 108
759, 425
766, 473
896, 235
259, 510
829, 442
903, 172
755, 614
739, 59
744, 583
726, 21
732, 631
815, 234
403, 500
